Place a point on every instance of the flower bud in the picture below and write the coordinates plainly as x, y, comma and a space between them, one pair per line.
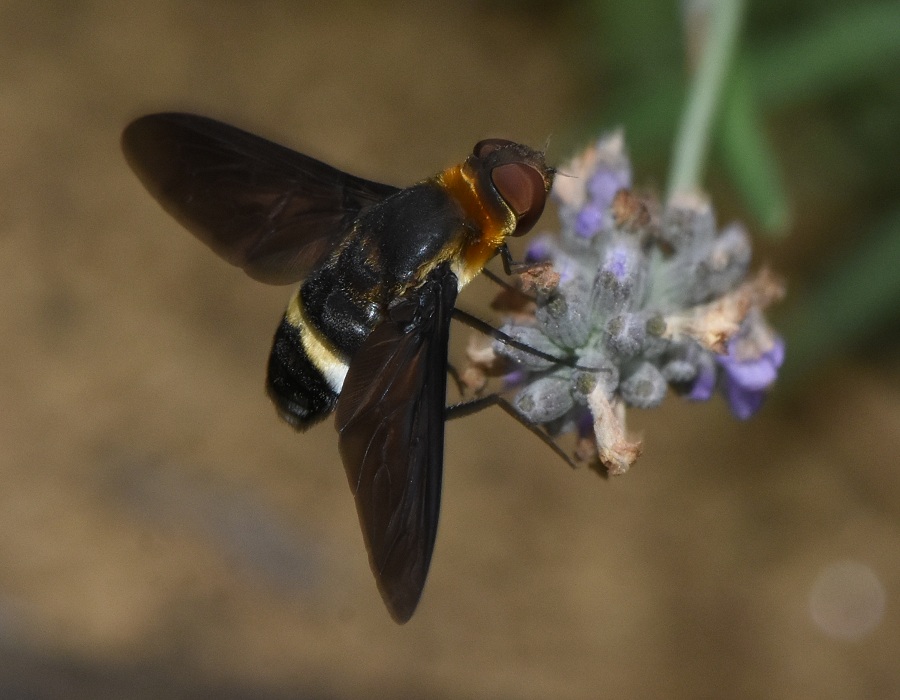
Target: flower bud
688, 222
727, 262
566, 318
590, 221
619, 283
644, 388
544, 399
626, 334
679, 371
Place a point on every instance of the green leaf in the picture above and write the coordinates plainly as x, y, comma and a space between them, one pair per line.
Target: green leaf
748, 155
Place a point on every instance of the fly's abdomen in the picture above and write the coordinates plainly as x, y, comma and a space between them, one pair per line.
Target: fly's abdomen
306, 372
345, 298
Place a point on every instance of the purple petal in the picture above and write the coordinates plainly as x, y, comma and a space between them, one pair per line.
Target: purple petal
602, 187
743, 402
776, 354
514, 378
539, 250
753, 375
585, 423
703, 384
589, 221
616, 262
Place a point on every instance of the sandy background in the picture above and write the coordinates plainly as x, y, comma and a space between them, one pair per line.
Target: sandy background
162, 534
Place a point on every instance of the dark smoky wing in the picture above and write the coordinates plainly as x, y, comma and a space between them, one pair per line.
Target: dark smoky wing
390, 420
263, 207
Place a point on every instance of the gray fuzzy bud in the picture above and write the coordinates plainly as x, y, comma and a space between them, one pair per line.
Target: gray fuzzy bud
619, 283
696, 276
679, 371
688, 222
644, 388
566, 318
728, 260
604, 373
544, 399
626, 334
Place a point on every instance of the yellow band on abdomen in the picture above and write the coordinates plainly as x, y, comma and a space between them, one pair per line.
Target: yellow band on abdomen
319, 350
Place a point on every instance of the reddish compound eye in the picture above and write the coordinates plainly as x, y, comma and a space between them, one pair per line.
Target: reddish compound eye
522, 187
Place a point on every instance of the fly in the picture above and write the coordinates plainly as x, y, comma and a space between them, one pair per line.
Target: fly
365, 336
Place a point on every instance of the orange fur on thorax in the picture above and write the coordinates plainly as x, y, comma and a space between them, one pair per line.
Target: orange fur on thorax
494, 226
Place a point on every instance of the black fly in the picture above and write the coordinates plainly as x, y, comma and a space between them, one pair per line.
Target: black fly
366, 334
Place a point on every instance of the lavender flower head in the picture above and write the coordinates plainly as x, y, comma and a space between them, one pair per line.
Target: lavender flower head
642, 298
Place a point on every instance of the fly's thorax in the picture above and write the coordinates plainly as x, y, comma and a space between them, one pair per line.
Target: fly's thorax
390, 249
488, 220
502, 189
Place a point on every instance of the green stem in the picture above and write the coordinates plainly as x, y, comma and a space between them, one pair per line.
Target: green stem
692, 142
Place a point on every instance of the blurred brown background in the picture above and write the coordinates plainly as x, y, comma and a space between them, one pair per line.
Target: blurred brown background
162, 534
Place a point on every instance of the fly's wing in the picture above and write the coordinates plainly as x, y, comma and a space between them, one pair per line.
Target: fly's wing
390, 420
272, 211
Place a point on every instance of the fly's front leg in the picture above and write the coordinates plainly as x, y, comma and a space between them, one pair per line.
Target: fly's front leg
511, 267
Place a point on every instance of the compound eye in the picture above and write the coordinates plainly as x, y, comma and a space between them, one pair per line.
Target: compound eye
487, 146
522, 187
